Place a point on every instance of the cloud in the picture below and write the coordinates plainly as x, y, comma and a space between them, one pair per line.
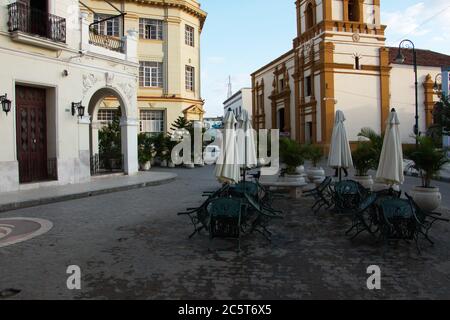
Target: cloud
425, 22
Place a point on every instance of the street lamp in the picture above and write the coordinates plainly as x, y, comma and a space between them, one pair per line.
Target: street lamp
77, 107
6, 104
408, 44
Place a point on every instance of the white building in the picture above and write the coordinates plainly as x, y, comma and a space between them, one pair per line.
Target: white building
50, 60
340, 61
142, 57
241, 100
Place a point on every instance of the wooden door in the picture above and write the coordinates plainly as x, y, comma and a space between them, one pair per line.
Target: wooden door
31, 134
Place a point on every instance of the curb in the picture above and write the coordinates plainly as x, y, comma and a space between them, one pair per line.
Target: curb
38, 202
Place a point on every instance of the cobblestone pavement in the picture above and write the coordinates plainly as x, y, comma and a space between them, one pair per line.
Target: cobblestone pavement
131, 245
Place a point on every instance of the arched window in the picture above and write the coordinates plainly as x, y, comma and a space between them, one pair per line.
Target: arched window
353, 10
309, 16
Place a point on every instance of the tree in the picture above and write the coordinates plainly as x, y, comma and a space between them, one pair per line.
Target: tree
181, 123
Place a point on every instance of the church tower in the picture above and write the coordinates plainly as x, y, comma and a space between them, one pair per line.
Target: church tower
340, 63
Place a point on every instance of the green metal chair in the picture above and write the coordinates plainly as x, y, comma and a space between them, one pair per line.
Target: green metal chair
347, 196
225, 218
362, 218
257, 217
321, 195
425, 220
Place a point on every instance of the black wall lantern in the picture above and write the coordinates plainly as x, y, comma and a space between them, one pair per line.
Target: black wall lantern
77, 108
6, 104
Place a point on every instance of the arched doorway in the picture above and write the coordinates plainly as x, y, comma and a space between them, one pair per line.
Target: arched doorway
113, 136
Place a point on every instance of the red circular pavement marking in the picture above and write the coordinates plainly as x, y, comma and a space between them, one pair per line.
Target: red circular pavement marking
16, 230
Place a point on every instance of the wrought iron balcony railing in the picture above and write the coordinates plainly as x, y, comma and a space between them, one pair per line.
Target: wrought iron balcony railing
107, 42
29, 20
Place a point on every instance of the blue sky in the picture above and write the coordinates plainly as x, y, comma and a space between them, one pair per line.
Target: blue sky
241, 36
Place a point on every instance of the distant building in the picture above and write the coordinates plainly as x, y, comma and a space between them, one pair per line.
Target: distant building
213, 123
239, 101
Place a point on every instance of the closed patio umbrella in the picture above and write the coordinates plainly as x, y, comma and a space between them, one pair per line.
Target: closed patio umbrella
246, 143
340, 153
227, 167
390, 168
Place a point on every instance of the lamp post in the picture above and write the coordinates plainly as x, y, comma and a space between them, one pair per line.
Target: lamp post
407, 44
78, 109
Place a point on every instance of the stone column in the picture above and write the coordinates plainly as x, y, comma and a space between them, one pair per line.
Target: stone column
429, 100
129, 132
95, 127
84, 171
84, 31
131, 50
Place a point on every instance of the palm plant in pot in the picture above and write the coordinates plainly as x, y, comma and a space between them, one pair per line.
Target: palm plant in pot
364, 159
428, 160
291, 155
145, 151
314, 154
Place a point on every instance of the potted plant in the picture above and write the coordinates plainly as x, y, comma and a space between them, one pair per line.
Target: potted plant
170, 144
145, 152
315, 154
291, 154
364, 159
428, 161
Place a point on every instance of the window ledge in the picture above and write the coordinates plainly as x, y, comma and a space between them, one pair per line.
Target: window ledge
34, 40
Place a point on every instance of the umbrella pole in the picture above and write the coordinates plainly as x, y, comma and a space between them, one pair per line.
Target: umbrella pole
340, 174
245, 159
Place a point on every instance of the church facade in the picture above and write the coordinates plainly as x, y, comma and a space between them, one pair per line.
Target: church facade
340, 61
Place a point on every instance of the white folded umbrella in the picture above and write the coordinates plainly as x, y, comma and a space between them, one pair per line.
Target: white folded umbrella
246, 142
390, 168
340, 153
227, 167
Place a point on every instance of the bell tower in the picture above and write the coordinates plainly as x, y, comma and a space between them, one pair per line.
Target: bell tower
341, 63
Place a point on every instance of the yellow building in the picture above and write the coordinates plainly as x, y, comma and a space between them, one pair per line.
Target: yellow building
340, 61
168, 53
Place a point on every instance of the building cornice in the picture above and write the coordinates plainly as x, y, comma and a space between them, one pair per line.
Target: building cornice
181, 4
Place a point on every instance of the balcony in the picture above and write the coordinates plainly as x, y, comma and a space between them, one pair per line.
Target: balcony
110, 47
33, 26
107, 42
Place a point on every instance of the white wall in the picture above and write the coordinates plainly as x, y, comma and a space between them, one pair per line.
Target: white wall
403, 97
359, 98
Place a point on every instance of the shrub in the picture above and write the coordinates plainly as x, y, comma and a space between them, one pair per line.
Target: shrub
314, 153
364, 158
428, 159
292, 154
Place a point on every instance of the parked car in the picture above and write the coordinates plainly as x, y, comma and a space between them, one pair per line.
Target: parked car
211, 154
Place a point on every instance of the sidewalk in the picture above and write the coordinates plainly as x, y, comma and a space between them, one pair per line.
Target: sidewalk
97, 186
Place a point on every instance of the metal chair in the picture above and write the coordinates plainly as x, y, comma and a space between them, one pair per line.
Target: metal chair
321, 195
225, 218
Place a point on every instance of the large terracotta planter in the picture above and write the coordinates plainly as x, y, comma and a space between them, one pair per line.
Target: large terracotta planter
428, 199
365, 181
